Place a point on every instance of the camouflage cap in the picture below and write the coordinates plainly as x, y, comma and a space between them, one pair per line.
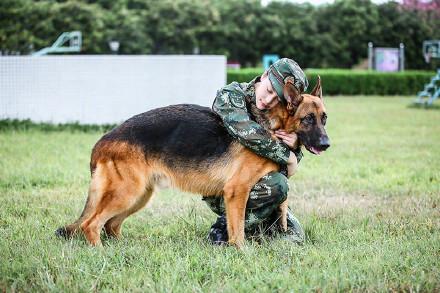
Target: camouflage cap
282, 69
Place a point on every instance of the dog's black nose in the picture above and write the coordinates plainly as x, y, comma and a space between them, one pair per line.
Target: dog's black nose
324, 142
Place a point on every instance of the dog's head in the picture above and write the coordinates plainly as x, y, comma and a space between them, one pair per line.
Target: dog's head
304, 115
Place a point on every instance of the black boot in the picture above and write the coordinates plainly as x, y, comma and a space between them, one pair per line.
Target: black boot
218, 235
295, 232
270, 227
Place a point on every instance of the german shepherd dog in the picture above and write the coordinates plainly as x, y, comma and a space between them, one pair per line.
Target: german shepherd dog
188, 145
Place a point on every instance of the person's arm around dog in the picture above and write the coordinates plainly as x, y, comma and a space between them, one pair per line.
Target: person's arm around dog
291, 140
230, 105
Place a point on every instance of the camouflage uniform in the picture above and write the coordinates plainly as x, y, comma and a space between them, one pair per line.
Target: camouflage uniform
232, 104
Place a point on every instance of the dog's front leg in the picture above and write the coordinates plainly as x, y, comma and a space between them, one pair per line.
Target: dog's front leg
235, 198
282, 213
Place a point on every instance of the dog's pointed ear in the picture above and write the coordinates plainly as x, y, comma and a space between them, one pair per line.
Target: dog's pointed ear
292, 95
317, 90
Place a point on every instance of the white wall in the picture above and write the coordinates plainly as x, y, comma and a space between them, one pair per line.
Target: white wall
104, 89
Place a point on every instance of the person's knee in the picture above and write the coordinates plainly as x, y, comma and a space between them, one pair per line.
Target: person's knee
279, 186
216, 204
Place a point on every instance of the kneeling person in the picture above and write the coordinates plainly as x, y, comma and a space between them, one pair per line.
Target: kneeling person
235, 104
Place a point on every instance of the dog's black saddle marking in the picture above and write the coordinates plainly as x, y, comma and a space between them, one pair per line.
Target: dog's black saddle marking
185, 131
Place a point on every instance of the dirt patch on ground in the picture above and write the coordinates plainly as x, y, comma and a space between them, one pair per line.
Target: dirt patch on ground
174, 203
366, 204
334, 203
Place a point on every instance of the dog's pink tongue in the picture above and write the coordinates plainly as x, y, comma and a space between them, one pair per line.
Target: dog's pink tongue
317, 152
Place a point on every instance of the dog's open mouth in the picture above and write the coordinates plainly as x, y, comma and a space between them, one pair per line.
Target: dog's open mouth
314, 150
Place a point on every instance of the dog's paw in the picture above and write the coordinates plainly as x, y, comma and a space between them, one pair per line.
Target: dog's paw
62, 233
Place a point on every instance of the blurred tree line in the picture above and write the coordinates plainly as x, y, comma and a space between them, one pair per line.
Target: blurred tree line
334, 35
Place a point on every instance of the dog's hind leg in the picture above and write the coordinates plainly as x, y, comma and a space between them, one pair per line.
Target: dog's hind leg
121, 189
93, 195
113, 226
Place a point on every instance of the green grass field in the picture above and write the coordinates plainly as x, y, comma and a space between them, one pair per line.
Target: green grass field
370, 206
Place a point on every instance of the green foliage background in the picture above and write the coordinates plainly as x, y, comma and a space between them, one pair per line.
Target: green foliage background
333, 35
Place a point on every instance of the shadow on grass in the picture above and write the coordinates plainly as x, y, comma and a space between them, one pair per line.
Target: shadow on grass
435, 107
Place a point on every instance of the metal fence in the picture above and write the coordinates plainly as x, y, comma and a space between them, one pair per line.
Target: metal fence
104, 89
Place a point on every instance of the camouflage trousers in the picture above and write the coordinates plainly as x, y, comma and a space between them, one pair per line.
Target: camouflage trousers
264, 199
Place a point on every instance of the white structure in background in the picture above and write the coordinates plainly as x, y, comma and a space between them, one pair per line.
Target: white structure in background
67, 42
104, 89
114, 46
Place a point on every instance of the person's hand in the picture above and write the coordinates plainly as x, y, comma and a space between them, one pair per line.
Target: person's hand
290, 139
292, 165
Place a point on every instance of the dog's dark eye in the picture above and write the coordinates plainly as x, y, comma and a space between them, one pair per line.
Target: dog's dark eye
309, 119
324, 119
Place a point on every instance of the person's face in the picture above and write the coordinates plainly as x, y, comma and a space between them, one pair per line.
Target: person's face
266, 97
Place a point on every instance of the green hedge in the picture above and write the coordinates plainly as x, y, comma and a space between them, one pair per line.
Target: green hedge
353, 82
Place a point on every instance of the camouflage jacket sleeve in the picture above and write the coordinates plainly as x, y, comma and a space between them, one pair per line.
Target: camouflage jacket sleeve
230, 105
